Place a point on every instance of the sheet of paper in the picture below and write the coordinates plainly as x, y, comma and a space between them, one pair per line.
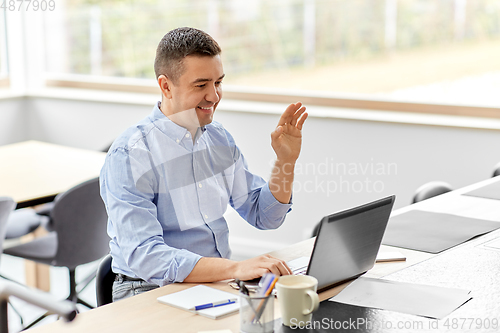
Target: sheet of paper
493, 244
420, 300
491, 191
433, 232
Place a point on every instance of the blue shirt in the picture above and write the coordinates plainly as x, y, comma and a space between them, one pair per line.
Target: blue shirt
166, 196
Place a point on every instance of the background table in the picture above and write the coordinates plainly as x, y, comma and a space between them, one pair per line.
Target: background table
34, 172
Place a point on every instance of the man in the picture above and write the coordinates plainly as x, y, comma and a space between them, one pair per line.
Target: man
167, 181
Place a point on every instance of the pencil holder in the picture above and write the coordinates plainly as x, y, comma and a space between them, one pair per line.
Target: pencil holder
256, 314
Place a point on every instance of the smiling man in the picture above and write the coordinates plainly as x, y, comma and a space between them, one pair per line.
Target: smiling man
168, 180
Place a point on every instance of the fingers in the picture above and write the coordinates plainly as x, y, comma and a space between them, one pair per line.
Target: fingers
256, 267
276, 266
276, 133
287, 116
301, 120
297, 115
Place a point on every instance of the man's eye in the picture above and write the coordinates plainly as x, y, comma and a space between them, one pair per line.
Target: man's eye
218, 83
201, 85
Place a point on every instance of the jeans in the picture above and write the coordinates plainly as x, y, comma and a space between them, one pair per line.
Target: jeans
123, 289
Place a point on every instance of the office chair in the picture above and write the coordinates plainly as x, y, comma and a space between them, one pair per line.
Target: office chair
7, 205
104, 281
496, 171
24, 221
79, 221
45, 208
314, 233
430, 189
65, 309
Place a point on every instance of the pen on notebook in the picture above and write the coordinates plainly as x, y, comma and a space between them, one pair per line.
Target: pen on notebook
214, 304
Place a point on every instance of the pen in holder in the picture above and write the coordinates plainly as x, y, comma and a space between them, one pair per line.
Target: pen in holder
256, 314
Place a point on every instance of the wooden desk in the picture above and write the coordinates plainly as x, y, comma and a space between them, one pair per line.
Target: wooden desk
34, 172
143, 313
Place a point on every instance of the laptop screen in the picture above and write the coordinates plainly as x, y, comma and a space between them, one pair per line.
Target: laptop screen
348, 242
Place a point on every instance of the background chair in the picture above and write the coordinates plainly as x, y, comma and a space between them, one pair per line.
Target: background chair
79, 221
46, 208
7, 205
496, 171
65, 309
23, 221
104, 281
314, 233
430, 189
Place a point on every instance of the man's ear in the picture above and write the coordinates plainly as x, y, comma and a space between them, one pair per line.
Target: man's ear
165, 85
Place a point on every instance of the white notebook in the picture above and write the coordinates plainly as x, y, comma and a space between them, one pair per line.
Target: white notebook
189, 298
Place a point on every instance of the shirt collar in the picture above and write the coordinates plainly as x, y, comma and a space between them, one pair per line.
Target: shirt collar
167, 126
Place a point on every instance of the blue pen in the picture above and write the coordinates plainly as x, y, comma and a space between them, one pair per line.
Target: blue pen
214, 304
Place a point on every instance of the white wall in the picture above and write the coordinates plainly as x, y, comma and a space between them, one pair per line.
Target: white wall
373, 159
13, 117
82, 124
403, 157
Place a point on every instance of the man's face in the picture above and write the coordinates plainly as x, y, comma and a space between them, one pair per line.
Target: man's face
198, 90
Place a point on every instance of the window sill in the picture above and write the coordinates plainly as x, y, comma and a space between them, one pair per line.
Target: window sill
316, 111
256, 94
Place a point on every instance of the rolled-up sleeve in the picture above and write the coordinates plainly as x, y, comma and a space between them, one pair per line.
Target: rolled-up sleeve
252, 198
129, 188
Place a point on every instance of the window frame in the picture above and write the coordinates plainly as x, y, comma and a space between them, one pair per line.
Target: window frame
270, 95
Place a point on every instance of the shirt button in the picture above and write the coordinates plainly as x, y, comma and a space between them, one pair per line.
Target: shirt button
199, 185
177, 140
187, 135
206, 216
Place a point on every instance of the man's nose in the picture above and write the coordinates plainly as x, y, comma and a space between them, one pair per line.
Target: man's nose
213, 95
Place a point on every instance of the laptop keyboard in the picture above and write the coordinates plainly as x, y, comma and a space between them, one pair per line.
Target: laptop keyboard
299, 271
299, 265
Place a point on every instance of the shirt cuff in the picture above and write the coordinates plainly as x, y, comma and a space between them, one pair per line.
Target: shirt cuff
184, 264
273, 209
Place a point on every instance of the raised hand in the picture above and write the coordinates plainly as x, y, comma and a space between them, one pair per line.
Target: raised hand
286, 139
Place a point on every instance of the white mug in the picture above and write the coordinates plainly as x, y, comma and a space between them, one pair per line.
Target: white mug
297, 298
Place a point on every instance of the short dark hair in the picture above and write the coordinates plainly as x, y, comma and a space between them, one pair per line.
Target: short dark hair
178, 44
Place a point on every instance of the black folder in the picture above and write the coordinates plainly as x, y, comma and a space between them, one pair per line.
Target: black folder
433, 232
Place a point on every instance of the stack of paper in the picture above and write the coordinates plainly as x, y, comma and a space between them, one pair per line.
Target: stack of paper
420, 300
491, 191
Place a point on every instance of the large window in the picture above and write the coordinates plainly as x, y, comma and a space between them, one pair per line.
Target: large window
3, 51
429, 51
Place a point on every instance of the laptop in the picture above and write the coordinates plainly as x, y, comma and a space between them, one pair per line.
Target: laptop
347, 244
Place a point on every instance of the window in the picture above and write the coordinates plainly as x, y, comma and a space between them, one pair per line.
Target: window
4, 81
424, 51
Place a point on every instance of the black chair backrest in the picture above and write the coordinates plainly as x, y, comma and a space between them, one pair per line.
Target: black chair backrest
79, 217
7, 205
315, 231
496, 171
104, 281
